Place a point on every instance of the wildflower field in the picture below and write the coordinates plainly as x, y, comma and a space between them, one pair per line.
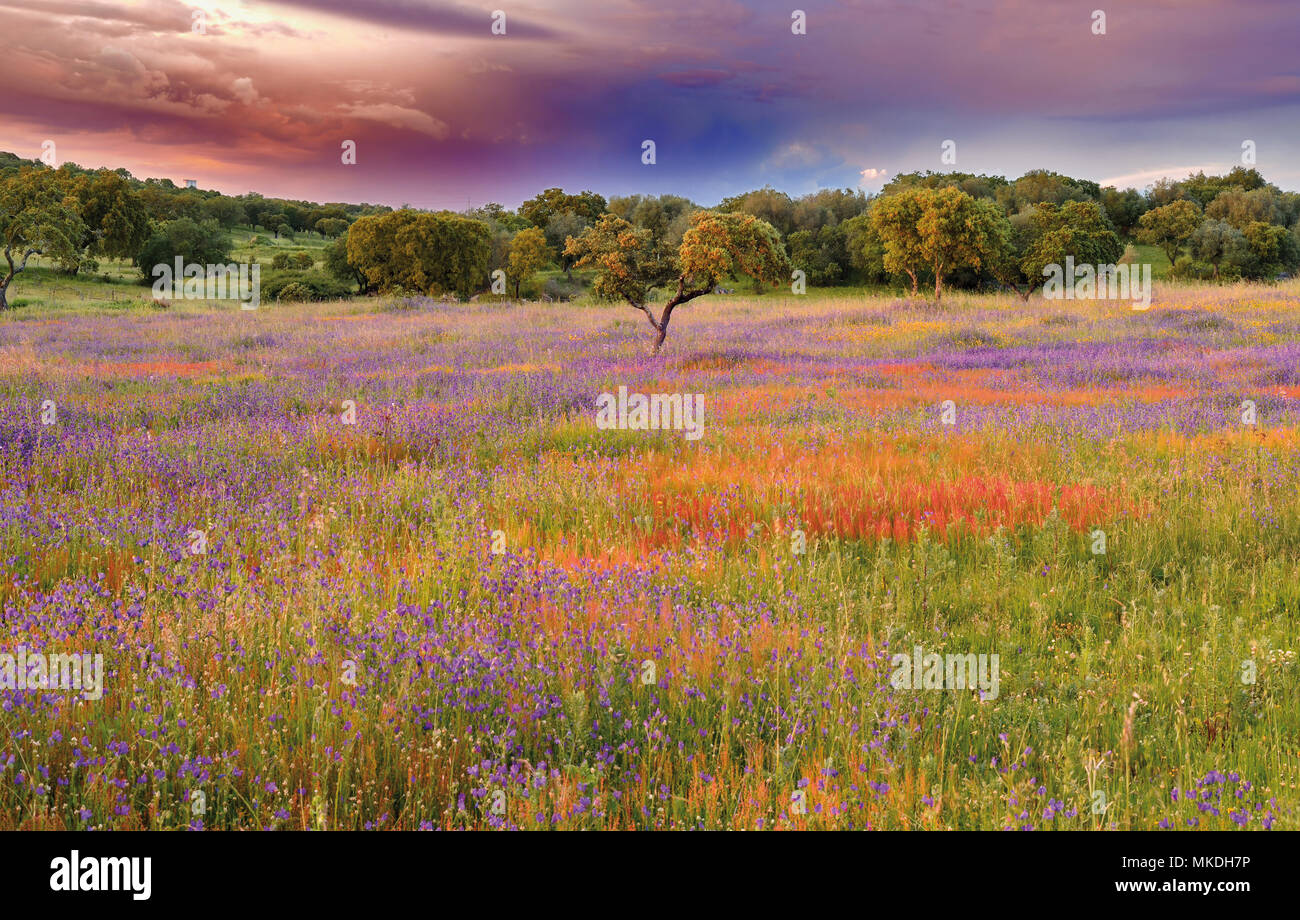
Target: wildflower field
373, 565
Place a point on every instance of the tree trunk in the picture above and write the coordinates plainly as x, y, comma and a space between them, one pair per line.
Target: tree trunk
658, 343
661, 325
13, 272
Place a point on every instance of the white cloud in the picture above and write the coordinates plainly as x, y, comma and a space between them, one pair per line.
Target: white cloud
399, 117
870, 175
244, 91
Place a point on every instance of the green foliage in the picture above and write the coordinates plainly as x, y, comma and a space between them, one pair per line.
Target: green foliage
980, 186
1042, 186
1170, 226
866, 251
498, 217
731, 246
822, 254
1274, 249
528, 255
338, 265
828, 207
292, 260
331, 227
37, 217
1078, 229
942, 230
1203, 189
558, 230
667, 217
227, 212
829, 233
201, 243
1124, 208
421, 252
539, 210
1240, 207
117, 224
629, 266
767, 204
1216, 243
294, 292
305, 286
811, 213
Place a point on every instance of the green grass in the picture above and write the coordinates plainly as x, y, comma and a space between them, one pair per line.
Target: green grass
1152, 255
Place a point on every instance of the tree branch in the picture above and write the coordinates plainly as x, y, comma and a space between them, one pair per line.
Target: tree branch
682, 295
646, 310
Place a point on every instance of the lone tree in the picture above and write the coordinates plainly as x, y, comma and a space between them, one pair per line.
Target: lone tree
37, 217
939, 231
629, 266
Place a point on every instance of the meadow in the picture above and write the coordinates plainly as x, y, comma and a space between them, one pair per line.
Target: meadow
439, 614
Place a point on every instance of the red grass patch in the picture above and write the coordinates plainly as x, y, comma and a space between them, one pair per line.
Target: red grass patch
159, 369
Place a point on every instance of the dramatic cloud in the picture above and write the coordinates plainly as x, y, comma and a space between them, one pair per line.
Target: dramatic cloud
443, 111
427, 15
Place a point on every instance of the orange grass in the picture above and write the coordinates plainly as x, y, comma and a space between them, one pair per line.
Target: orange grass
863, 490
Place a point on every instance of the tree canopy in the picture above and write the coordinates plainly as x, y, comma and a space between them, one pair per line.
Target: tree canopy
37, 217
420, 251
629, 265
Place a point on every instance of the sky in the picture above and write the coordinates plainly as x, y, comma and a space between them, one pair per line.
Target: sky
261, 96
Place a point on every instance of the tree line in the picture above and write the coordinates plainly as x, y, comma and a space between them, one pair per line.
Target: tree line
931, 230
76, 216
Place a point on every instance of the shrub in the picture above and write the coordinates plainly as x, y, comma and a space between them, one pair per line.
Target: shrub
287, 260
295, 292
201, 243
1187, 268
318, 286
562, 289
